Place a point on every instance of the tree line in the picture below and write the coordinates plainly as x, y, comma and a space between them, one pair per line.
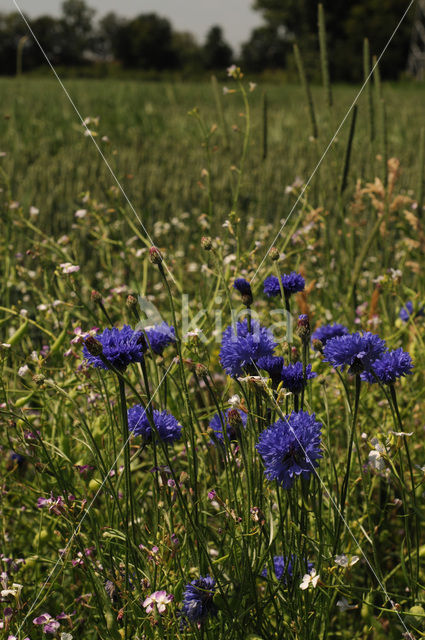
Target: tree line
148, 42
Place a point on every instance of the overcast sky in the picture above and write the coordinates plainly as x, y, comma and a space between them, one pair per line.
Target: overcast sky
235, 16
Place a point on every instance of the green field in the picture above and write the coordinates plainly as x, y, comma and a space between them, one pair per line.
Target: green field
193, 162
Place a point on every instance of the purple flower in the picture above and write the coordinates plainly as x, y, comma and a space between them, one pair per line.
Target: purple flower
166, 424
271, 286
292, 376
17, 459
291, 283
57, 505
233, 419
273, 365
408, 310
120, 348
50, 625
356, 350
328, 331
290, 448
284, 568
160, 336
198, 599
243, 286
239, 349
391, 366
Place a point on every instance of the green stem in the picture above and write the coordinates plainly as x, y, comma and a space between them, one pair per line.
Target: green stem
128, 501
345, 482
412, 481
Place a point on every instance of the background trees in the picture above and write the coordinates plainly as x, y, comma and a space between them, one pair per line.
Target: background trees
348, 22
148, 41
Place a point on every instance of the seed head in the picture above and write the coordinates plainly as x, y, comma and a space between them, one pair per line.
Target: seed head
93, 346
274, 254
95, 296
38, 379
303, 327
234, 419
131, 301
206, 243
155, 255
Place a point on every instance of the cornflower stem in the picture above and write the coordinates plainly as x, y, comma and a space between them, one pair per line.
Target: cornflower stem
345, 482
206, 142
305, 362
393, 397
96, 449
249, 319
149, 410
230, 477
242, 165
76, 530
286, 298
105, 313
288, 321
128, 497
186, 402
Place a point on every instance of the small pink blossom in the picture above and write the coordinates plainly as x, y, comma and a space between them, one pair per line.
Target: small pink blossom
158, 598
81, 335
67, 267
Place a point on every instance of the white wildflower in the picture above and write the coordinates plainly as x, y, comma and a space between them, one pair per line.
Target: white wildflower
67, 267
375, 457
310, 579
22, 371
158, 598
343, 561
344, 605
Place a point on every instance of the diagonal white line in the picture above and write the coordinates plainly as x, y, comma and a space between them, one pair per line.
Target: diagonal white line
333, 503
333, 138
89, 507
88, 132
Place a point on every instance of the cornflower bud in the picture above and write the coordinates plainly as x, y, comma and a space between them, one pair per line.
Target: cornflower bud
94, 347
96, 296
155, 255
206, 243
274, 254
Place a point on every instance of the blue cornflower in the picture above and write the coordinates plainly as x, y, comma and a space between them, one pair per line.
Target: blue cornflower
239, 349
120, 348
17, 458
273, 365
284, 568
390, 367
166, 424
198, 599
290, 447
233, 419
292, 376
160, 336
356, 350
244, 288
328, 331
408, 310
291, 283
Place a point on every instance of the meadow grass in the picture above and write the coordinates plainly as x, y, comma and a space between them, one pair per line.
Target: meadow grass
96, 525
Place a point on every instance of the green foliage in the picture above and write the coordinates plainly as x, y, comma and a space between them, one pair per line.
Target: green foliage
217, 54
267, 48
186, 179
347, 24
